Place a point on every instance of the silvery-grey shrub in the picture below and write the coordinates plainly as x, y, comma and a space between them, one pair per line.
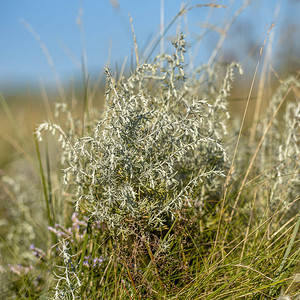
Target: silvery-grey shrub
158, 146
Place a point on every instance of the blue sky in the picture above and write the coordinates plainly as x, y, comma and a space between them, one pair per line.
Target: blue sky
105, 28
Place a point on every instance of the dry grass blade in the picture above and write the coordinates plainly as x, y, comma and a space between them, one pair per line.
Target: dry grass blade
210, 5
212, 27
49, 58
223, 36
238, 140
258, 147
262, 80
134, 40
154, 43
162, 26
84, 64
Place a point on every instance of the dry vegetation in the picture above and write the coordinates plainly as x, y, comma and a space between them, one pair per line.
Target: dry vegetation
168, 191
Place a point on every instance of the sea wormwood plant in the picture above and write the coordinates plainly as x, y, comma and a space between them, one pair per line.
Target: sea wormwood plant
157, 147
152, 150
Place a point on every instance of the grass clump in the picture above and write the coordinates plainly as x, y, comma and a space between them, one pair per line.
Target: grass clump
143, 209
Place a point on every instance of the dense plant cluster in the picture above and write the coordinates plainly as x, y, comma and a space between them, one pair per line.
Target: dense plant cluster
149, 218
155, 148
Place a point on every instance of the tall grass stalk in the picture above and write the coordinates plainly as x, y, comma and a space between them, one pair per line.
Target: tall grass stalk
45, 190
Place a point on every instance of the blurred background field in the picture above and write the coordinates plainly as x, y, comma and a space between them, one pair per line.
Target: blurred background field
47, 47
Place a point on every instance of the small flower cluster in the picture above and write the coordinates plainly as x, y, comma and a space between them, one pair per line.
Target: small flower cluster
90, 262
71, 240
37, 252
19, 269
